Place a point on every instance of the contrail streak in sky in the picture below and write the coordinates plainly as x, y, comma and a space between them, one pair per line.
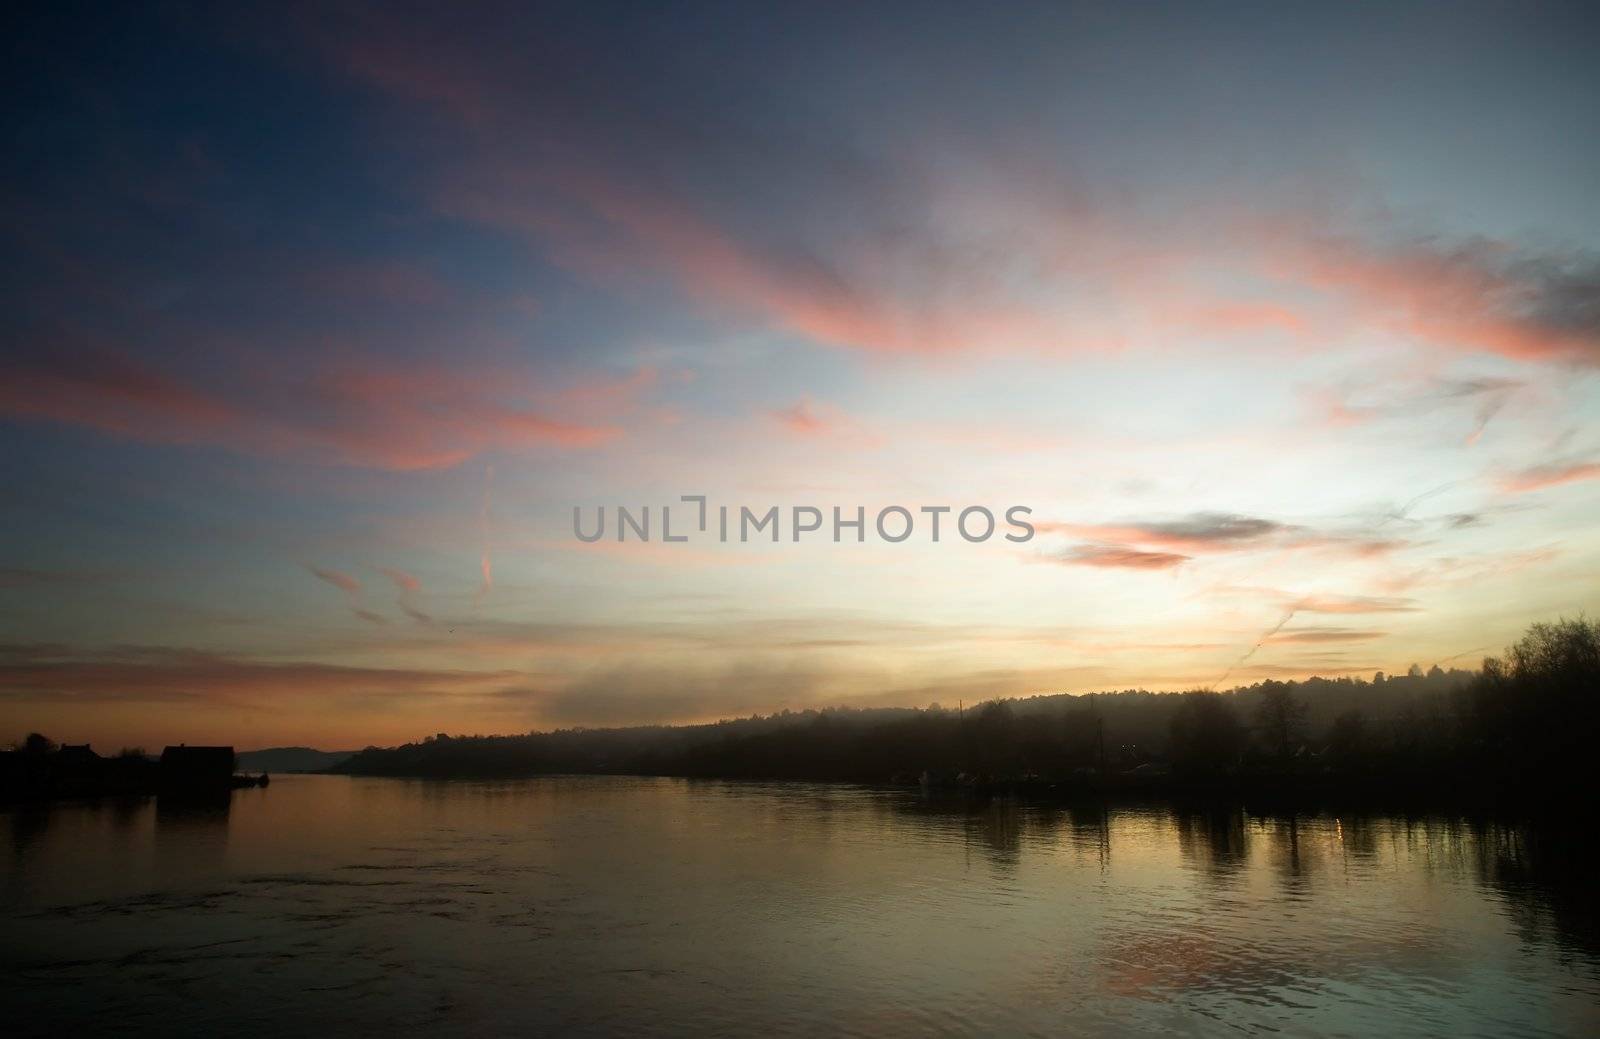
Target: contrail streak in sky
484, 563
1262, 641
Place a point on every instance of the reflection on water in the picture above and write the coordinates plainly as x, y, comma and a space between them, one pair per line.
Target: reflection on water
644, 905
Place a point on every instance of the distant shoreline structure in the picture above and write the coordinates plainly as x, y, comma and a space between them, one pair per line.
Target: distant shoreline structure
39, 770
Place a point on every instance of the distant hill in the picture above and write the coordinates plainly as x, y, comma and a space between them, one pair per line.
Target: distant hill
290, 759
1047, 734
1525, 724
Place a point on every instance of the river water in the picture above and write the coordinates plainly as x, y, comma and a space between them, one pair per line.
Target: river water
611, 905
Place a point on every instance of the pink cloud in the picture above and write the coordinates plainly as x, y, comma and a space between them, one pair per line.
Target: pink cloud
985, 267
1482, 296
347, 583
801, 418
619, 393
104, 391
408, 588
372, 413
943, 301
1541, 477
406, 583
1231, 318
424, 417
1024, 261
1479, 294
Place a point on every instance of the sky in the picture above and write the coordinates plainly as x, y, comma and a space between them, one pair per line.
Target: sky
319, 321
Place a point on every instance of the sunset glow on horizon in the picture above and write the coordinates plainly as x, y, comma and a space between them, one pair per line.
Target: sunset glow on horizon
319, 326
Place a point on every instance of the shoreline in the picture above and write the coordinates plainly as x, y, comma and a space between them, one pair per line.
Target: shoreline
1377, 796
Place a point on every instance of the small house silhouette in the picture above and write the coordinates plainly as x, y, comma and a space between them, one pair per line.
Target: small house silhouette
196, 766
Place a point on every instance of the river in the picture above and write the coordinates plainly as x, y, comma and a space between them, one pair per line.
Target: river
615, 905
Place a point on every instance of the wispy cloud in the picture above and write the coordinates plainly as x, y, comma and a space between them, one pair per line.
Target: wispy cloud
347, 583
1117, 556
1473, 293
407, 588
1552, 474
102, 390
1356, 402
166, 674
379, 414
406, 584
485, 565
1198, 532
1316, 634
1355, 604
1205, 533
351, 586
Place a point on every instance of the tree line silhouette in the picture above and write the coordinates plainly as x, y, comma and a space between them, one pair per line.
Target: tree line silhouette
1522, 725
1524, 722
